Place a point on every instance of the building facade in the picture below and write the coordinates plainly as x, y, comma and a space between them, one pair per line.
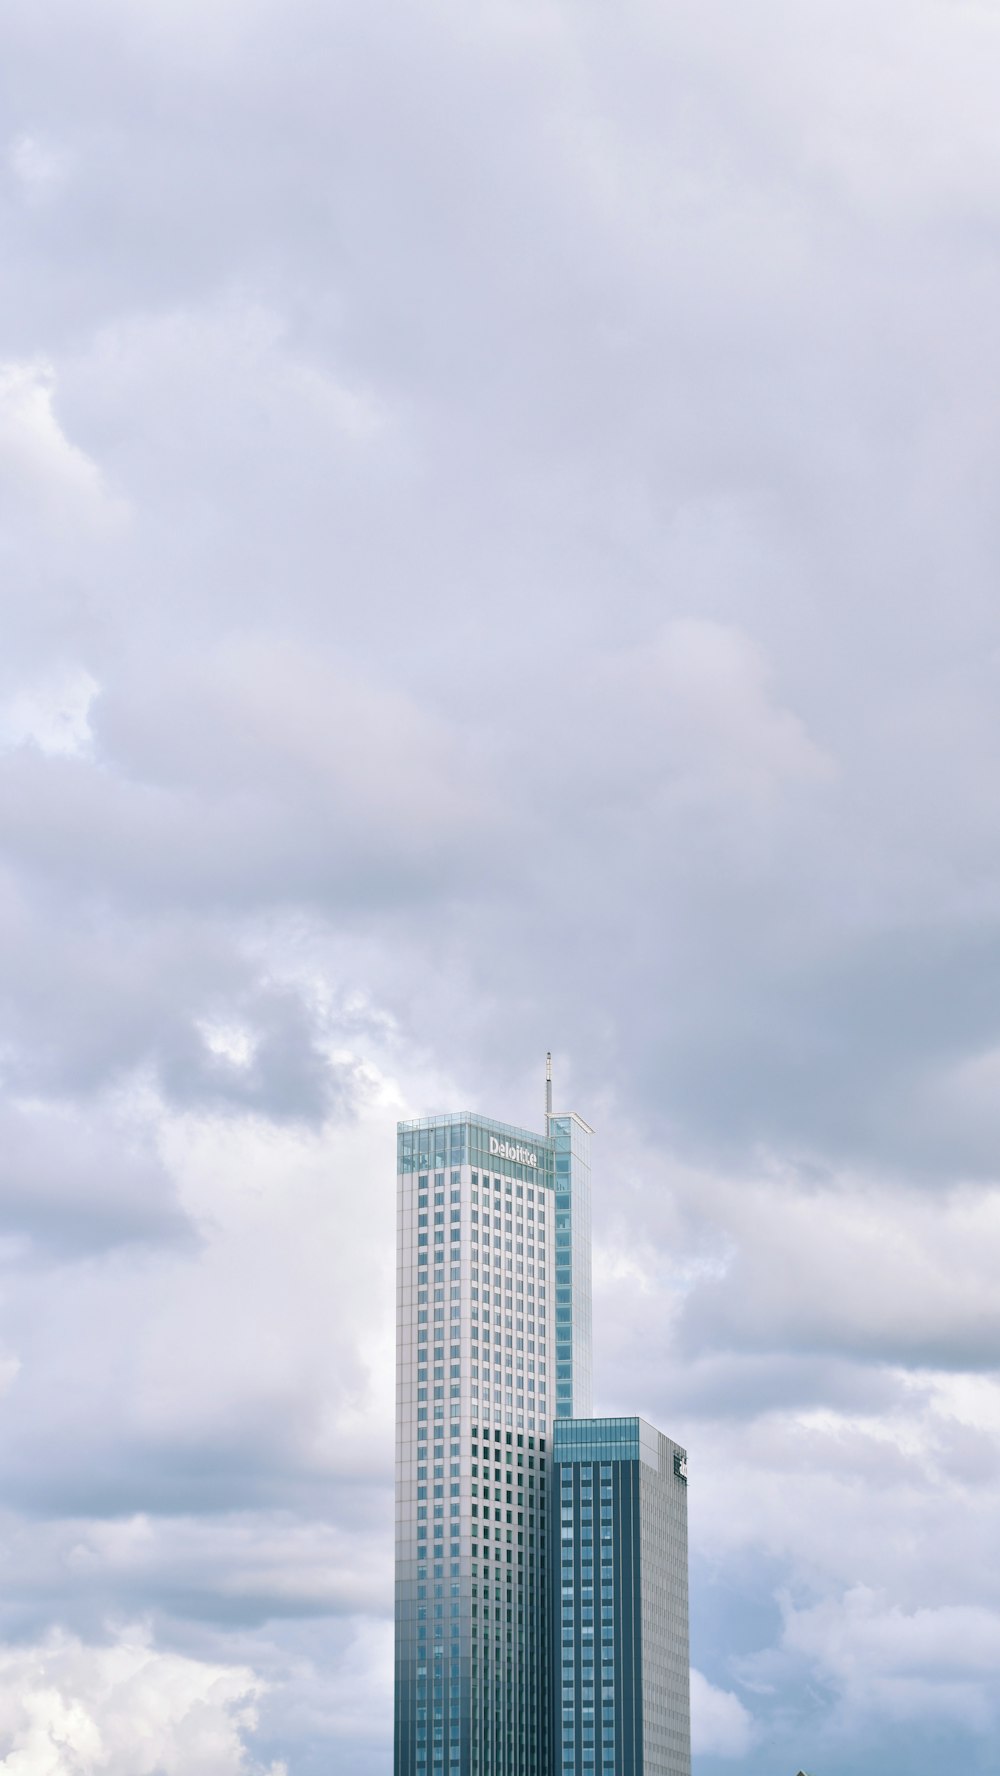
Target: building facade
571, 1137
528, 1642
475, 1399
618, 1590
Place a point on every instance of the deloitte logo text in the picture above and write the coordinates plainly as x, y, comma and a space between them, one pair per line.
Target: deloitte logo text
507, 1150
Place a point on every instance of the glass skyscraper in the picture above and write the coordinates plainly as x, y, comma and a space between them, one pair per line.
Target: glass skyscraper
493, 1362
618, 1588
571, 1142
487, 1226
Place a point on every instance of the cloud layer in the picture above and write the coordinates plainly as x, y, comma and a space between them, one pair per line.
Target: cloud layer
497, 551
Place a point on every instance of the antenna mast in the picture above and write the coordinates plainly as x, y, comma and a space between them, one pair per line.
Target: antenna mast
548, 1091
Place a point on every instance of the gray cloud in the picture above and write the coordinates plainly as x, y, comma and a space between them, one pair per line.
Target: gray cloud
497, 550
76, 1182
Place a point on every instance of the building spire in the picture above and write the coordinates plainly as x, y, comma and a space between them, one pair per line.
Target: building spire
548, 1091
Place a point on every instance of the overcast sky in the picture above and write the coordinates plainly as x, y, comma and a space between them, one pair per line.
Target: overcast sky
499, 543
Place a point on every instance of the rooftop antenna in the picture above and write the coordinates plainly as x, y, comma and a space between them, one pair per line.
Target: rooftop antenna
548, 1091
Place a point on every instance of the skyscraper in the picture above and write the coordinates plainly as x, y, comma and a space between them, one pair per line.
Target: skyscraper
618, 1590
486, 1224
493, 1329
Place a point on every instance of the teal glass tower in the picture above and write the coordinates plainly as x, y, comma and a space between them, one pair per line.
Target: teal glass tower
618, 1591
570, 1137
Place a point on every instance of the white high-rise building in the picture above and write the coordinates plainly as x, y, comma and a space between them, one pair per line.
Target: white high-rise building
493, 1327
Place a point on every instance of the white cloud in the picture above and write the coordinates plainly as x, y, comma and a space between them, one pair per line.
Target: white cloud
52, 714
720, 1725
39, 465
719, 712
918, 1665
855, 1263
123, 1709
361, 1693
229, 1042
558, 605
40, 165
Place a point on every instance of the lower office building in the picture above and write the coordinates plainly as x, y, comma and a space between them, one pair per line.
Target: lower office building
618, 1589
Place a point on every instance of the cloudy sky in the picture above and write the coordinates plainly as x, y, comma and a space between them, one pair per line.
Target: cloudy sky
499, 550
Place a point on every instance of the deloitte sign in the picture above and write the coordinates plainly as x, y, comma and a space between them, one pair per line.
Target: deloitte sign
508, 1150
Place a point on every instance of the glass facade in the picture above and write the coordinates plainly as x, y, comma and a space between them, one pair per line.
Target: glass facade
618, 1591
541, 1555
475, 1362
460, 1138
573, 1288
